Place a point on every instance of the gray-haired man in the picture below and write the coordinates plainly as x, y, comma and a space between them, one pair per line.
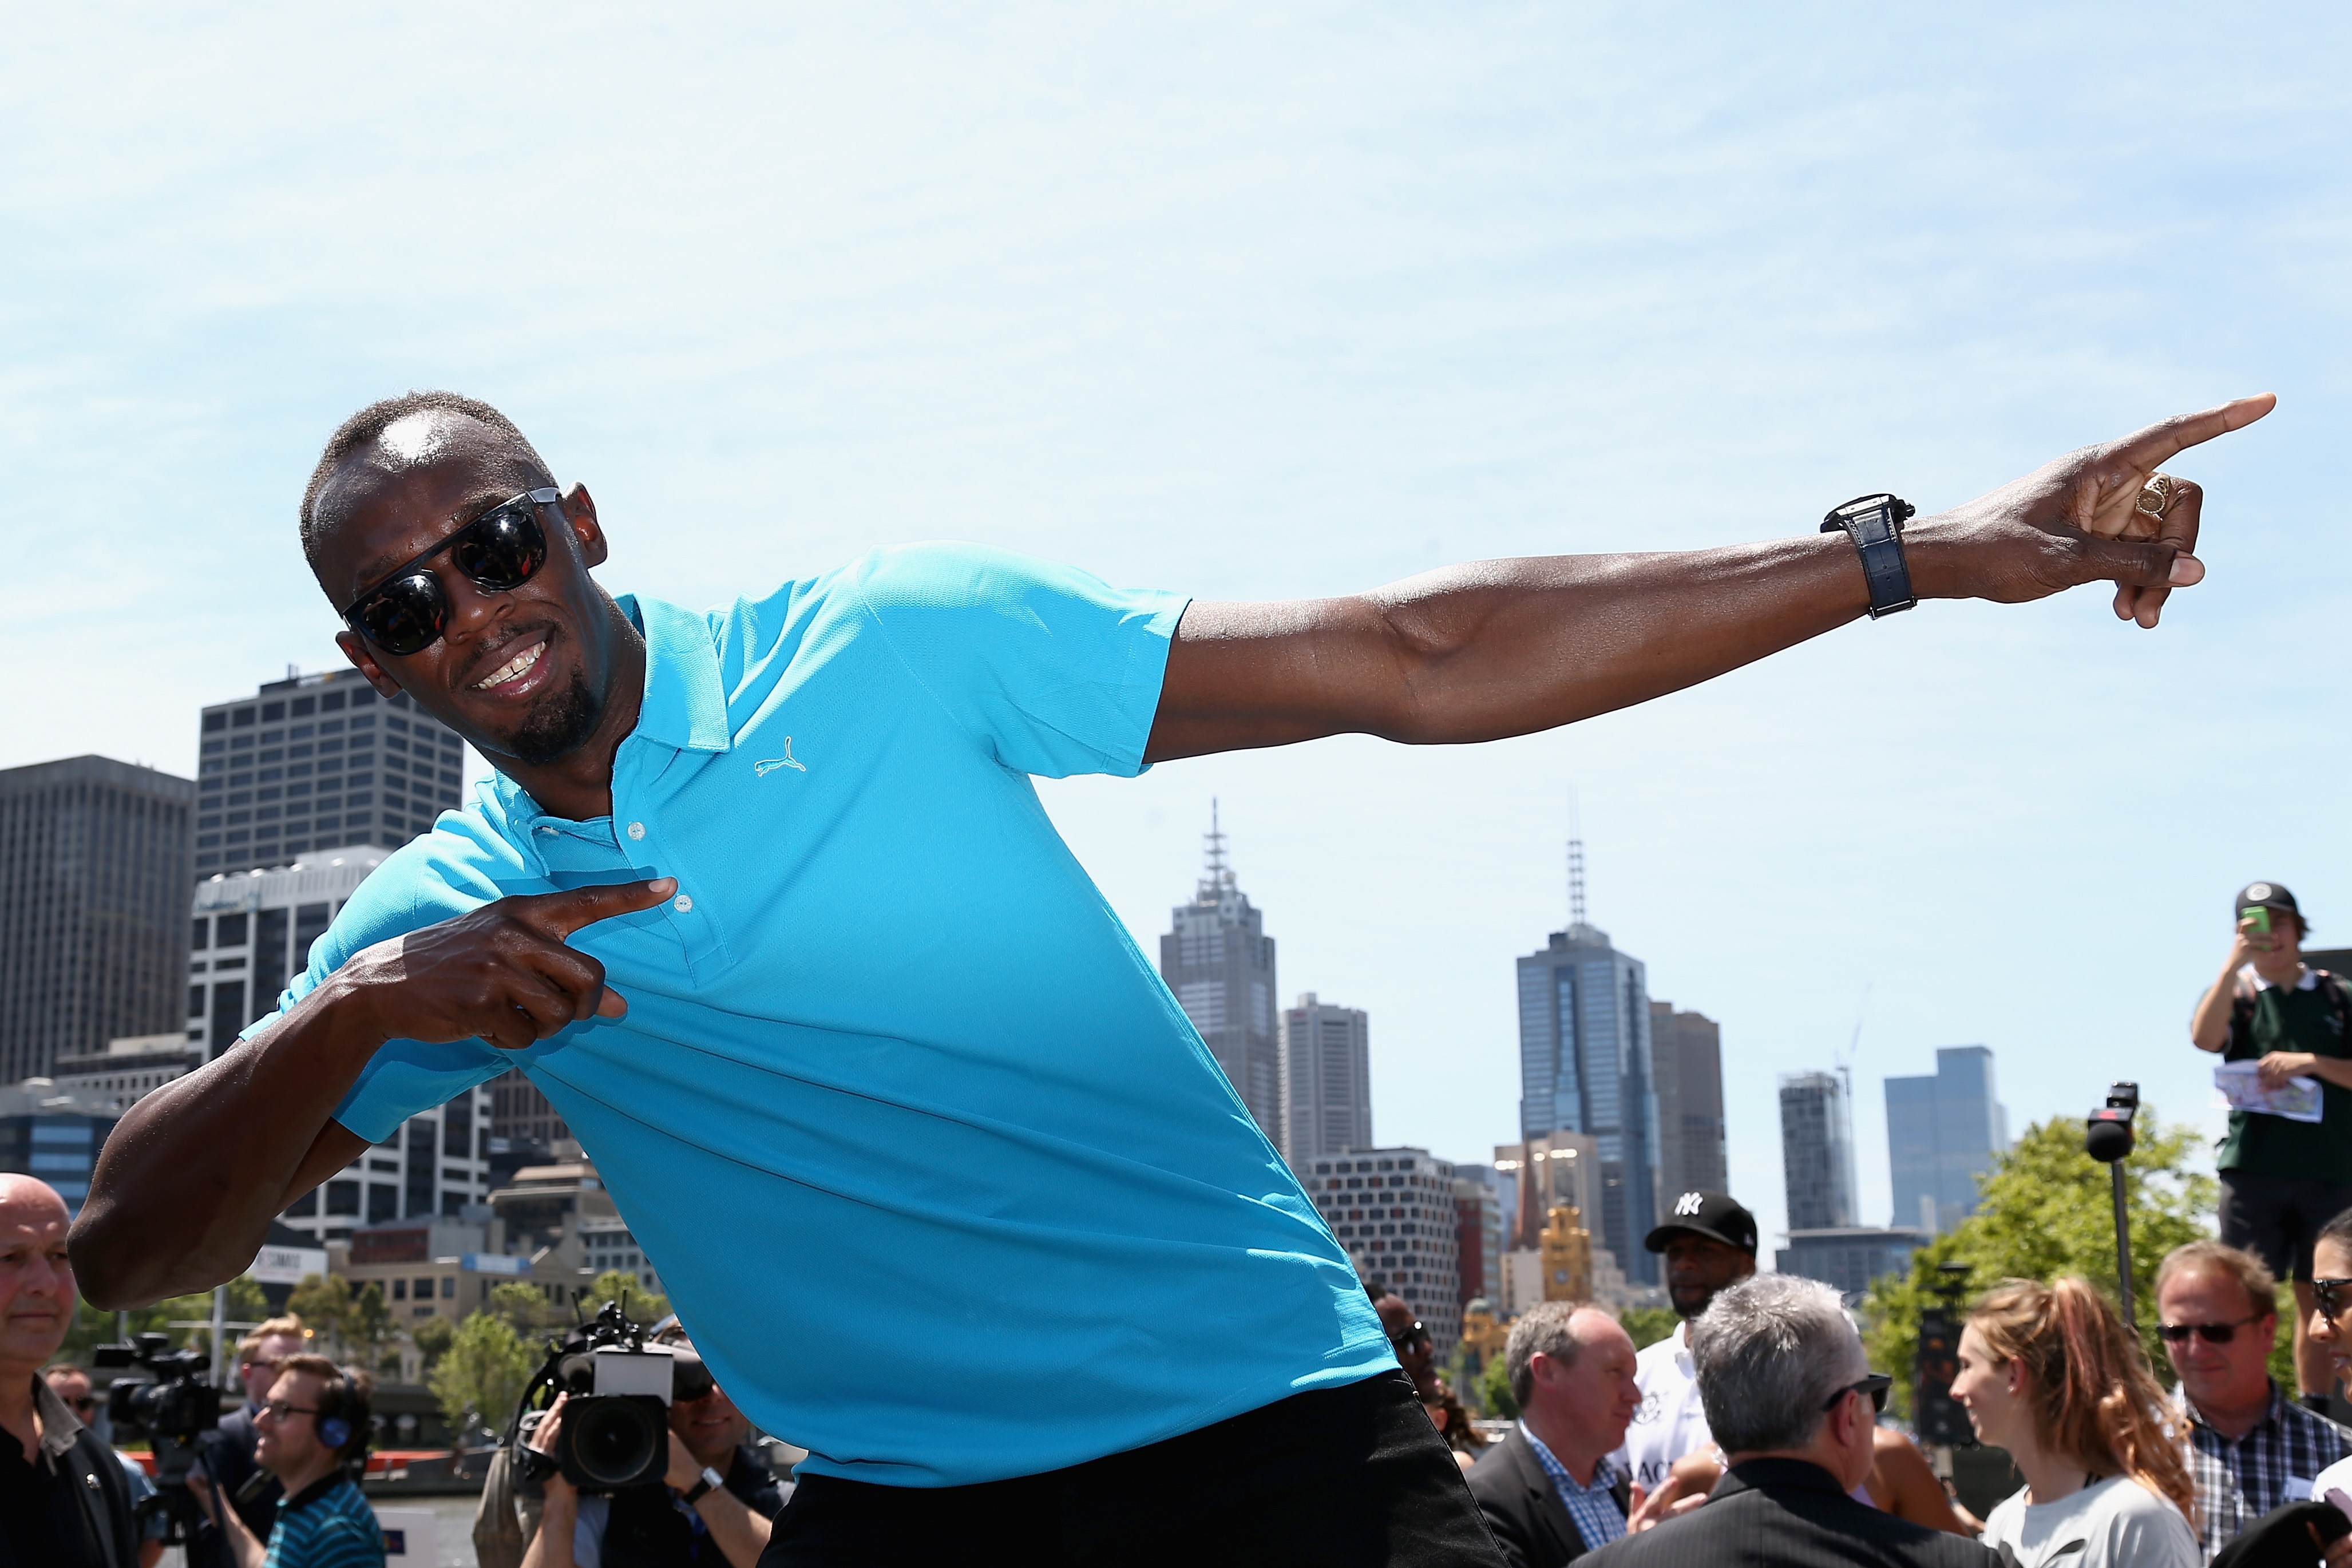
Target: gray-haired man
1793, 1405
1548, 1492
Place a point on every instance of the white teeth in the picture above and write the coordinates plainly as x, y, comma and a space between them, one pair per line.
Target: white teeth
512, 668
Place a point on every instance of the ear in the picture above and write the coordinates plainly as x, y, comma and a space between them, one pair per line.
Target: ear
580, 512
363, 657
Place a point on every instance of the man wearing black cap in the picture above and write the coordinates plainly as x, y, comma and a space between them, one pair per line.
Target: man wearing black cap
1709, 1242
2282, 1179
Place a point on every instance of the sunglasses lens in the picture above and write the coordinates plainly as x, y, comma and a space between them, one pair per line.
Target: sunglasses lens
2218, 1334
501, 550
405, 614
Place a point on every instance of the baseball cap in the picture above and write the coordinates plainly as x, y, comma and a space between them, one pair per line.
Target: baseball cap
1718, 1216
2265, 895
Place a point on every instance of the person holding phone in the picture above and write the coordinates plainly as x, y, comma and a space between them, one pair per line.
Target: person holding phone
2282, 1179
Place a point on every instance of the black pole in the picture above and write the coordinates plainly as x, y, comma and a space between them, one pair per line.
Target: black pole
2123, 1249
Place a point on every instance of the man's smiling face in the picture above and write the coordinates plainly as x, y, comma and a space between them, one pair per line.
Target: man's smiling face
525, 673
36, 1282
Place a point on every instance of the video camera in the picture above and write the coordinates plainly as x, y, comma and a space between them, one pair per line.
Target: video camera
173, 1404
615, 1429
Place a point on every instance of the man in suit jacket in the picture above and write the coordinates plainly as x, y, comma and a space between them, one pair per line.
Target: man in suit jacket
1546, 1490
1794, 1407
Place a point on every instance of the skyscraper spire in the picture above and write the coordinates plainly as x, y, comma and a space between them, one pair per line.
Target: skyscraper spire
1575, 866
1215, 874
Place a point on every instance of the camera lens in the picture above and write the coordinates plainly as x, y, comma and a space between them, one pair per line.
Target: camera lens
616, 1439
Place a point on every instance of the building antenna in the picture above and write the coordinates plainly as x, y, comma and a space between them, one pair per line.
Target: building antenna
1575, 864
1219, 873
1853, 1045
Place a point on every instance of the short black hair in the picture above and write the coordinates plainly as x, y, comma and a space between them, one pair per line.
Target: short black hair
372, 422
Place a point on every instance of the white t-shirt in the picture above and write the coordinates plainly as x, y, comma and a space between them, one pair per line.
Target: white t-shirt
1672, 1421
2120, 1523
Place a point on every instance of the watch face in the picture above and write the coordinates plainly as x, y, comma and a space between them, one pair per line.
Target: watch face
1864, 507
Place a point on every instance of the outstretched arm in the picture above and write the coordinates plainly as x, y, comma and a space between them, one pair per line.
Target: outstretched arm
1506, 647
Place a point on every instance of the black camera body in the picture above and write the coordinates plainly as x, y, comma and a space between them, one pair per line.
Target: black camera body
615, 1429
175, 1406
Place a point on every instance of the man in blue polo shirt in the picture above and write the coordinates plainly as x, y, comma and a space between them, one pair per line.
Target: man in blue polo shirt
764, 900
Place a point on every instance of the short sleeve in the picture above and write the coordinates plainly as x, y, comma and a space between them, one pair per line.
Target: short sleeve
404, 1078
1054, 670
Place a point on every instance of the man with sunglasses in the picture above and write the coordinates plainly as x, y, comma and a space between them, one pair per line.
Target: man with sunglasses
2254, 1448
228, 1450
1791, 1399
765, 902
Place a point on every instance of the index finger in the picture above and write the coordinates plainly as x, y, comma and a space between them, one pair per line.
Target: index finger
561, 913
2148, 447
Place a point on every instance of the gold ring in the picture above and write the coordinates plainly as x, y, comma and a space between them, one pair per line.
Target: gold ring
2155, 496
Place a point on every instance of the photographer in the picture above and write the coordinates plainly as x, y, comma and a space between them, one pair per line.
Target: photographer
314, 1423
64, 1502
2282, 1179
713, 1508
227, 1450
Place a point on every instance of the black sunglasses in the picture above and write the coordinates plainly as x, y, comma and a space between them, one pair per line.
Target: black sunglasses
2211, 1333
1876, 1384
2329, 1294
407, 612
1405, 1337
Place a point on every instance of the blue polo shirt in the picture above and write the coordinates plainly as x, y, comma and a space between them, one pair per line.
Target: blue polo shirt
936, 1170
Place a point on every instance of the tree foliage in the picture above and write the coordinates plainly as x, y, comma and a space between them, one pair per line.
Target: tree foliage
357, 1323
1494, 1389
432, 1338
93, 1328
646, 1307
2046, 1208
481, 1374
1648, 1325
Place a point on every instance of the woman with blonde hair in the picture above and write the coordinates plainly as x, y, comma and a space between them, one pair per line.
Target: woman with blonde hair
2049, 1374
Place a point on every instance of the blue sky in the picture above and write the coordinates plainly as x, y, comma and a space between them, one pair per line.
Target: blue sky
1262, 304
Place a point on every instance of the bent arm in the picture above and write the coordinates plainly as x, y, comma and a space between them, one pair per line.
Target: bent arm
187, 1185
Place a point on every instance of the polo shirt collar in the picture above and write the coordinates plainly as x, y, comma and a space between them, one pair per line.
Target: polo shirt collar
59, 1425
2271, 1412
684, 706
2310, 981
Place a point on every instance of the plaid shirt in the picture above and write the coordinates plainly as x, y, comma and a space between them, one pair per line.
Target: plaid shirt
1592, 1508
2239, 1481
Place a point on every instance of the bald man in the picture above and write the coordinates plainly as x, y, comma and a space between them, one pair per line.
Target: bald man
764, 901
64, 1500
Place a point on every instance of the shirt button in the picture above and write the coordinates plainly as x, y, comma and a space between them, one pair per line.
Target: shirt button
636, 830
681, 903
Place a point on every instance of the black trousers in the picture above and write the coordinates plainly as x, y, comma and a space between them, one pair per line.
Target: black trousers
1337, 1477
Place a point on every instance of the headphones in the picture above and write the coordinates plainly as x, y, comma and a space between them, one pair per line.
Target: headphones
334, 1419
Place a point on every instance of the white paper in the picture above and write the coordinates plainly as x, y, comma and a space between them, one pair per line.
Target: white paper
2240, 1086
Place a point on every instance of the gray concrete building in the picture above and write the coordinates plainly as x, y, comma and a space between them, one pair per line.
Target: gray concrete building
1219, 962
93, 918
1687, 1054
1817, 1150
1393, 1210
318, 762
1327, 1080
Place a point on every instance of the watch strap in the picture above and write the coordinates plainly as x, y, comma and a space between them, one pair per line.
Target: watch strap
1874, 524
711, 1481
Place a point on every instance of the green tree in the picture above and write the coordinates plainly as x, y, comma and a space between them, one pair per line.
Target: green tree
324, 1303
481, 1374
1648, 1325
646, 1307
370, 1330
2046, 1208
1494, 1388
432, 1338
93, 1327
526, 1309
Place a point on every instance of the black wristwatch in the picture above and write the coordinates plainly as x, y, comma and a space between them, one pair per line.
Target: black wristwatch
1874, 524
711, 1481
